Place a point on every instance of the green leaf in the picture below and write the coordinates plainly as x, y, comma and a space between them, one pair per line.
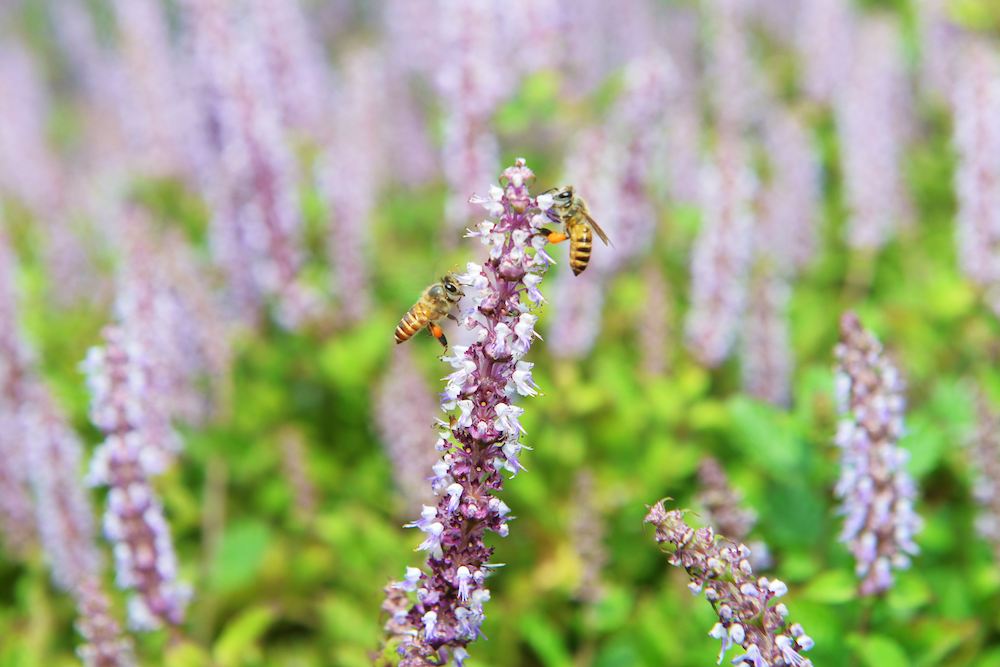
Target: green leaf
545, 641
832, 587
879, 651
240, 554
241, 634
187, 654
612, 610
764, 434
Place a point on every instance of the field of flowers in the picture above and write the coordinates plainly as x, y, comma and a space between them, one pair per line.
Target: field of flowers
761, 427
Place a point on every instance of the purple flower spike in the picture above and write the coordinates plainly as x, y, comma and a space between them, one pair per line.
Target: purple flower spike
875, 490
133, 522
722, 570
984, 455
443, 610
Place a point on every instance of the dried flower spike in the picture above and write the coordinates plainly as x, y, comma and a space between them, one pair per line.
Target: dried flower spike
875, 491
721, 569
984, 453
481, 439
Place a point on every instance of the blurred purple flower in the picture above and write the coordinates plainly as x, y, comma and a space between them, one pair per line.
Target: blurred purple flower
350, 173
825, 37
296, 62
735, 87
721, 569
790, 203
66, 526
471, 81
724, 511
940, 45
483, 437
17, 523
875, 491
984, 455
250, 181
105, 647
976, 107
682, 134
159, 117
136, 448
403, 402
766, 348
720, 259
872, 111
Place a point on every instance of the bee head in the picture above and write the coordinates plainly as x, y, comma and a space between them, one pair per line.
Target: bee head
564, 196
452, 287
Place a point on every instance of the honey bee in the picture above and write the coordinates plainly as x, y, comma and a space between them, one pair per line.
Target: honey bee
577, 222
435, 303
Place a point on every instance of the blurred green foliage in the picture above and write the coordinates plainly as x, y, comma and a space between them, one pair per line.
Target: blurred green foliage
274, 588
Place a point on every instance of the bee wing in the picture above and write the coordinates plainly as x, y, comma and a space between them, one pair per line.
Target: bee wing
598, 230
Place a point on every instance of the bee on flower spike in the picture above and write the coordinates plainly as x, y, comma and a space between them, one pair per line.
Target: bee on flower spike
571, 210
435, 303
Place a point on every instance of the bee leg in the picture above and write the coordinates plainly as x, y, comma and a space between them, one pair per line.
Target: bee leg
452, 318
438, 333
554, 237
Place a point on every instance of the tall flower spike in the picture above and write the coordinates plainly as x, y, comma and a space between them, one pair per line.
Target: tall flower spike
875, 491
976, 108
403, 403
984, 455
873, 114
130, 454
16, 512
766, 355
722, 570
66, 526
824, 36
725, 513
588, 539
483, 438
721, 257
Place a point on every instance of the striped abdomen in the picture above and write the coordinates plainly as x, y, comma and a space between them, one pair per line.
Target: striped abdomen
580, 244
412, 322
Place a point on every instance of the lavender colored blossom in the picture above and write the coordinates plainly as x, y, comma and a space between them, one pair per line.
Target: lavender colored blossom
442, 610
721, 569
721, 256
17, 524
472, 81
735, 86
29, 169
682, 134
403, 403
296, 63
105, 646
984, 455
789, 216
940, 43
976, 108
825, 39
873, 122
875, 491
159, 118
66, 527
133, 452
766, 349
255, 230
350, 174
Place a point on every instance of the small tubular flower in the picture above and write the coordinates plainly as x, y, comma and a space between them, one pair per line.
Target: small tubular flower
446, 610
721, 570
876, 493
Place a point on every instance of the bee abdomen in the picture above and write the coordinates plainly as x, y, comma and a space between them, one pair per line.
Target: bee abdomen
579, 252
411, 323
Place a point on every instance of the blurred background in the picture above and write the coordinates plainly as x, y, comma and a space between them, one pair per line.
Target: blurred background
263, 188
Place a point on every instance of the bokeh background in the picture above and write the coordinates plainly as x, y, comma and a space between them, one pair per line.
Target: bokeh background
297, 171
